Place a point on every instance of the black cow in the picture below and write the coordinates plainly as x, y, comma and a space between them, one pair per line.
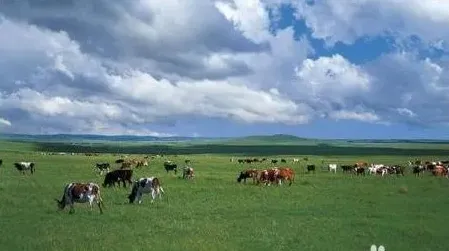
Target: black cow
170, 166
1, 162
102, 167
360, 171
347, 168
283, 161
274, 161
417, 170
310, 168
116, 176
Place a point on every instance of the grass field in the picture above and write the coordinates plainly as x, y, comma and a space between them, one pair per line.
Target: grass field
320, 211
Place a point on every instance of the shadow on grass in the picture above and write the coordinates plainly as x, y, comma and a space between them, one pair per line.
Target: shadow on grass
243, 150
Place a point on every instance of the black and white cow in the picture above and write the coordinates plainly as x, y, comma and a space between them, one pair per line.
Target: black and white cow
76, 192
23, 166
170, 166
144, 186
102, 167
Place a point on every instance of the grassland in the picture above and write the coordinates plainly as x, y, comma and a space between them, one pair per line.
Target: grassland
321, 211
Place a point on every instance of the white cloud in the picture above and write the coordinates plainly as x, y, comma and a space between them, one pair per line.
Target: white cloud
4, 122
334, 20
131, 66
105, 100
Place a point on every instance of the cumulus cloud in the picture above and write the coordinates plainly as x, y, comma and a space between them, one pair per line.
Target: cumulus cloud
121, 67
335, 21
63, 88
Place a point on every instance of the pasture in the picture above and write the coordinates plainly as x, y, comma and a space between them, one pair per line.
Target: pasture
320, 211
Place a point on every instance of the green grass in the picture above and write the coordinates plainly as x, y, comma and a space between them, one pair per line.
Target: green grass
319, 211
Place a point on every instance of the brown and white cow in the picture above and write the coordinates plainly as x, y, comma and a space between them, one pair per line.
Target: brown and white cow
188, 173
268, 176
283, 174
77, 192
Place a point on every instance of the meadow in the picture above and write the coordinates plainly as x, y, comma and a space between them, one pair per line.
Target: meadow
320, 211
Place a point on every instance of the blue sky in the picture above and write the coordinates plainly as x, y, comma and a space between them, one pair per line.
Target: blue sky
321, 69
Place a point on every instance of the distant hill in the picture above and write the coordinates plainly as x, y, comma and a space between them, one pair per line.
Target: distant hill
276, 139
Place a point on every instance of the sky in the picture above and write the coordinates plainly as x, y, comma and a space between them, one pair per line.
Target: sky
321, 69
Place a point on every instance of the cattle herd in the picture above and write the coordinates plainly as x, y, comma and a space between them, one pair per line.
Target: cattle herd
79, 192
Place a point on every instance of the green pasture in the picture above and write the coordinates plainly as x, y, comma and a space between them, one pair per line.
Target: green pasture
320, 211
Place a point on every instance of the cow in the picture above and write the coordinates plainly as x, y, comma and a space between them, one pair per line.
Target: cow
333, 167
187, 173
1, 162
295, 160
116, 176
310, 168
250, 173
119, 161
417, 170
102, 167
283, 174
77, 192
267, 176
360, 171
23, 166
283, 161
141, 163
170, 166
143, 186
187, 161
126, 165
439, 171
347, 168
274, 161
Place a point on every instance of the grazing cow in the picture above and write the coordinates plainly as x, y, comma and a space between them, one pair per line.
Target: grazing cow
187, 161
119, 161
333, 167
295, 160
1, 162
116, 176
417, 170
347, 168
398, 170
274, 161
440, 171
170, 166
283, 161
283, 174
310, 168
240, 161
360, 171
126, 165
23, 166
267, 176
141, 163
102, 167
80, 193
250, 173
143, 186
187, 173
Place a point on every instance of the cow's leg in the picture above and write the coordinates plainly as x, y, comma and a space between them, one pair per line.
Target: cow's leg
72, 207
139, 197
153, 195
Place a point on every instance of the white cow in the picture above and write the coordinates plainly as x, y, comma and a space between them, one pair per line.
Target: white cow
333, 167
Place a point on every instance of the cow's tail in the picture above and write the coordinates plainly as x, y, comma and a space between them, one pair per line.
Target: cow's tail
133, 194
61, 203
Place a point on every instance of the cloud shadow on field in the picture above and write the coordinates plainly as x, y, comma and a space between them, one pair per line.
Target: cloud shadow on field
324, 150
